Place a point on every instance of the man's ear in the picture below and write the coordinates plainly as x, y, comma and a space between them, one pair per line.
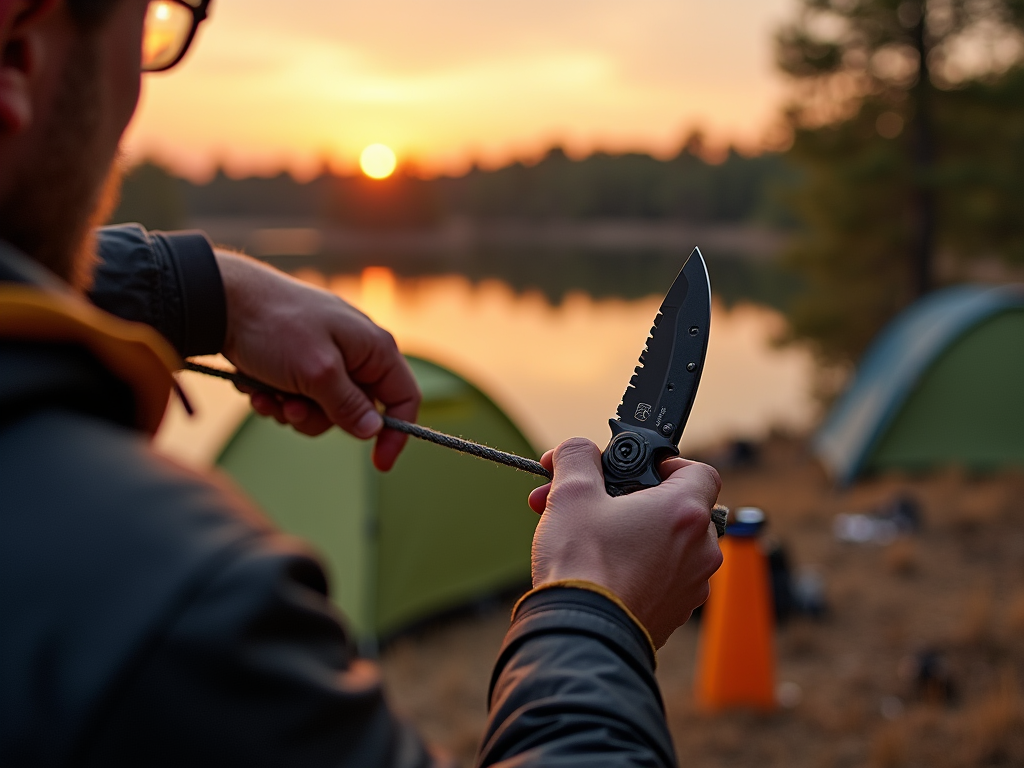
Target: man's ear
21, 23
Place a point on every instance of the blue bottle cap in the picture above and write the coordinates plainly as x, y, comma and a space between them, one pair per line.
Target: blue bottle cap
746, 522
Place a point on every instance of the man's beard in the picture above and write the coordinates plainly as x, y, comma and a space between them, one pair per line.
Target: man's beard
56, 200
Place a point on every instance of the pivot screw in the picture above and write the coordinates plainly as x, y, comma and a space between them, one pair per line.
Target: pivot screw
626, 453
667, 428
691, 367
694, 330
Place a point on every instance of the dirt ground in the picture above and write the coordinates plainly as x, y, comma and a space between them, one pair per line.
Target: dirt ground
956, 587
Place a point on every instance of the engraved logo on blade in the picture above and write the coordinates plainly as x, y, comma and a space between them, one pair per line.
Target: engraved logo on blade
643, 412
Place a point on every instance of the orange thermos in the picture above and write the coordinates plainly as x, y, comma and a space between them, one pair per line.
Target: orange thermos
736, 653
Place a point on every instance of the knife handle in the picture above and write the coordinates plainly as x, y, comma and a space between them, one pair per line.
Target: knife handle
631, 457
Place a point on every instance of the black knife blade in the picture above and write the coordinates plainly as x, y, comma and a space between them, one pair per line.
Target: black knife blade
660, 394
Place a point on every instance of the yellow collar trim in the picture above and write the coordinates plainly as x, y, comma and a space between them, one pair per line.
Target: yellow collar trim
133, 352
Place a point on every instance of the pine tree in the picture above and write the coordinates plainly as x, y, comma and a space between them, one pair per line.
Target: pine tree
887, 94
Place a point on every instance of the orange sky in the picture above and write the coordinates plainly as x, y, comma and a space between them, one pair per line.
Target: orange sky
272, 84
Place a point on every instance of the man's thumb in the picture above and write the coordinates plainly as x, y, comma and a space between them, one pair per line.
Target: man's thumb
344, 403
577, 461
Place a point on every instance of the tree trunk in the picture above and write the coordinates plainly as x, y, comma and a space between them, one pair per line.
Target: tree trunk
924, 204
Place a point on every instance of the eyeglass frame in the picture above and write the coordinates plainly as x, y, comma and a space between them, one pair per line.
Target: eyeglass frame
199, 15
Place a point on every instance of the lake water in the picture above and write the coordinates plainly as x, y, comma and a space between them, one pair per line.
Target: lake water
558, 367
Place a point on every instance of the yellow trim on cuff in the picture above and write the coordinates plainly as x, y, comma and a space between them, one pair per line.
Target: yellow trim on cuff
591, 587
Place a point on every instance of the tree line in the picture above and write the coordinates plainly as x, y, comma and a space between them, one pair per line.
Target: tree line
688, 188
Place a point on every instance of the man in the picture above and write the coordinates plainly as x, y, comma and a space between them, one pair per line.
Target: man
149, 616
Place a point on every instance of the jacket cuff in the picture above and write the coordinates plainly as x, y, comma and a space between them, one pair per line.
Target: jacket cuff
591, 587
571, 610
203, 303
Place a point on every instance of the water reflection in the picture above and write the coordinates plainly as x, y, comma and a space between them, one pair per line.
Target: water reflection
625, 273
558, 369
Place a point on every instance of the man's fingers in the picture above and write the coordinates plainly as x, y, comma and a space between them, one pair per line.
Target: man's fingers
548, 459
263, 403
577, 455
245, 389
325, 380
306, 416
383, 373
538, 500
576, 469
295, 410
700, 481
390, 442
268, 405
670, 465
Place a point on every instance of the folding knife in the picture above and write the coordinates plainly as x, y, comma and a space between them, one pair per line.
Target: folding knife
658, 399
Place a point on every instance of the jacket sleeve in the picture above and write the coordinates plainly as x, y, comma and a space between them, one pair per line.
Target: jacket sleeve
169, 281
256, 670
574, 685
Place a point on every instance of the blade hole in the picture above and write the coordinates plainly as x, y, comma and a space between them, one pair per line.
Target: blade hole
671, 386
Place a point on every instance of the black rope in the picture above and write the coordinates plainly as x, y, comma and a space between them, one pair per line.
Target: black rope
423, 433
467, 446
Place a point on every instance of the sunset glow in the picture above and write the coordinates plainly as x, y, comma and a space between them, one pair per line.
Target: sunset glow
377, 161
452, 82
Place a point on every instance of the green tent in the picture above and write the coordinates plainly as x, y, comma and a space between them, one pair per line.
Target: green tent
942, 385
439, 531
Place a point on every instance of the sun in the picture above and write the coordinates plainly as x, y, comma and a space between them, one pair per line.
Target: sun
378, 161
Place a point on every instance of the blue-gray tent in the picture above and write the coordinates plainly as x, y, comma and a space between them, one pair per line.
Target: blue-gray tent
942, 385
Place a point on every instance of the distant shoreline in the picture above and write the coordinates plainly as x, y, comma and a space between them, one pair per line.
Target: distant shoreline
305, 237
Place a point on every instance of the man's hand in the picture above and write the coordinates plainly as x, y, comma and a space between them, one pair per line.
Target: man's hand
655, 549
302, 339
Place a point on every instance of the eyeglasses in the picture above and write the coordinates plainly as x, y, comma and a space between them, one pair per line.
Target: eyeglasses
168, 31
